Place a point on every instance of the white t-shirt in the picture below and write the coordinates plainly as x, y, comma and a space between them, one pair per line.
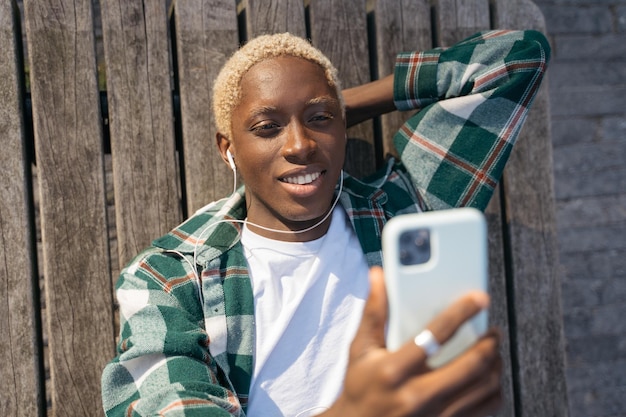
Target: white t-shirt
308, 303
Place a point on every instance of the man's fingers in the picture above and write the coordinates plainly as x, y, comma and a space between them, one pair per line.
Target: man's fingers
479, 363
483, 395
446, 324
411, 358
463, 385
371, 332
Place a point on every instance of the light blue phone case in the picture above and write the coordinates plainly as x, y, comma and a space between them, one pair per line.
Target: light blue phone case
417, 293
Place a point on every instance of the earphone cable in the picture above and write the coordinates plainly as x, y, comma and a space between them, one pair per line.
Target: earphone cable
246, 222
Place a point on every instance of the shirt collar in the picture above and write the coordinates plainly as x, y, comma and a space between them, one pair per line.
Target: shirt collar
214, 222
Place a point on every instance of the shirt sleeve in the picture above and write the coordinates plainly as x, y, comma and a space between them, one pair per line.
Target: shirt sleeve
163, 365
474, 98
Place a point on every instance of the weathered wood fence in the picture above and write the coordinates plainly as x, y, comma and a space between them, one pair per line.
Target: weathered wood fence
153, 123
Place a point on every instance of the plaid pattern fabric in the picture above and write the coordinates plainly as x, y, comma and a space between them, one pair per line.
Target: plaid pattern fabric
186, 341
457, 146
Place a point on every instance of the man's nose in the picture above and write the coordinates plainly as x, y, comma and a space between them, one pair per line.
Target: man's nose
299, 145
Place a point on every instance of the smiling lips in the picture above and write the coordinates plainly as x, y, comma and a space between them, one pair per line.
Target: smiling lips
302, 179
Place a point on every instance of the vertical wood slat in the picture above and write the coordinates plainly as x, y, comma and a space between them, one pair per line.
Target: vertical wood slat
206, 35
275, 16
400, 26
458, 19
68, 142
147, 200
339, 30
20, 374
499, 307
531, 229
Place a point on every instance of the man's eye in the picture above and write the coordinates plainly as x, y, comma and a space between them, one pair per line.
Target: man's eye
322, 117
264, 128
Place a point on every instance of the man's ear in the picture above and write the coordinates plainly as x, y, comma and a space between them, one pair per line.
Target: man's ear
224, 145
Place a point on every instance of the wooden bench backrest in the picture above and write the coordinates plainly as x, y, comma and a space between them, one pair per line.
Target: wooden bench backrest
156, 118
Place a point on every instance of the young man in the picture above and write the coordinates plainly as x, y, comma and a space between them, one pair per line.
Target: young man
261, 304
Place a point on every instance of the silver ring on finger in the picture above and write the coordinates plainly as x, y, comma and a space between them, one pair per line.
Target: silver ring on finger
426, 340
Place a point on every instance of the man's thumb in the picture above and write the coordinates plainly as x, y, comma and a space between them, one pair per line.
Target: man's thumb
371, 332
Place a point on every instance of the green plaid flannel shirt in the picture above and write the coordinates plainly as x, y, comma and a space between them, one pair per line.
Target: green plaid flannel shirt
186, 344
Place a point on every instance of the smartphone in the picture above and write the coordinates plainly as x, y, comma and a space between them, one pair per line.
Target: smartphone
430, 260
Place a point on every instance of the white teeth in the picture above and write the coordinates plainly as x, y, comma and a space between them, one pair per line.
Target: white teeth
303, 179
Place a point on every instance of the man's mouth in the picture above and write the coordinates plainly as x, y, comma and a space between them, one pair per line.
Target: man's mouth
302, 179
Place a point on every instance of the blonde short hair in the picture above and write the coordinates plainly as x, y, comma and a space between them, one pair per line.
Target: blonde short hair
227, 85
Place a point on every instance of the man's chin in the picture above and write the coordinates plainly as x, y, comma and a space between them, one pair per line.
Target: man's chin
306, 220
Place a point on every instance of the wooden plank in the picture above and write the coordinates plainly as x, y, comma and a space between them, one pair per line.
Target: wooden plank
535, 275
339, 30
275, 16
518, 14
68, 143
499, 308
458, 19
206, 35
400, 26
530, 216
20, 347
139, 89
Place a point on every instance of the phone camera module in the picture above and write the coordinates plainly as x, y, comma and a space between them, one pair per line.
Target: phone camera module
415, 247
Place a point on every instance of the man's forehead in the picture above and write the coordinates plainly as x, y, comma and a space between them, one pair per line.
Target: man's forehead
264, 70
267, 68
271, 74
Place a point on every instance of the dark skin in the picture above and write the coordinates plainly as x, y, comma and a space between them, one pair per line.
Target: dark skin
288, 142
285, 130
369, 100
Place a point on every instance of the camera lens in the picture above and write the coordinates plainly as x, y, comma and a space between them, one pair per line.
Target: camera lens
415, 247
422, 239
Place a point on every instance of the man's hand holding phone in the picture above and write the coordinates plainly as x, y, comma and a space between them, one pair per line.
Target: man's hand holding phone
400, 383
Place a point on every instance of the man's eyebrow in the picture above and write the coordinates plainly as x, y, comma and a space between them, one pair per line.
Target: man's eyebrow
264, 110
261, 110
323, 100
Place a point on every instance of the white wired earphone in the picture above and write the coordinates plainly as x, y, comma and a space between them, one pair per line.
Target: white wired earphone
231, 162
233, 167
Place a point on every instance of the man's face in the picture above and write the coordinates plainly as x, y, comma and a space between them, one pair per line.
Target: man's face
288, 139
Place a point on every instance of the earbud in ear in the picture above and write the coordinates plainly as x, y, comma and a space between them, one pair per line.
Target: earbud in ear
231, 161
